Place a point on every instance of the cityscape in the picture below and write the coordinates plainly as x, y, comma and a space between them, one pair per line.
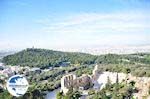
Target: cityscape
75, 49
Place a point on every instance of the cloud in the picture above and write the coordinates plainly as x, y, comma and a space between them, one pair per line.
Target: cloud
97, 28
93, 22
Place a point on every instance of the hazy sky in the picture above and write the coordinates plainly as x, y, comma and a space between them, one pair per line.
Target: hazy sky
73, 23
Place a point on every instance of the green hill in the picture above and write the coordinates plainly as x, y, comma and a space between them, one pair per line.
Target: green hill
45, 58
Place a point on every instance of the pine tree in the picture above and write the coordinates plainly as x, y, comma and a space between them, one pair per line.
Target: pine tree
108, 84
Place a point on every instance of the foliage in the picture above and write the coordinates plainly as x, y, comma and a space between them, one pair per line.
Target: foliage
80, 63
136, 64
72, 94
5, 95
91, 92
115, 91
45, 58
138, 70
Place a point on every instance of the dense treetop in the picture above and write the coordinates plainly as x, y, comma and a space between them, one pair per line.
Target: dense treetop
47, 58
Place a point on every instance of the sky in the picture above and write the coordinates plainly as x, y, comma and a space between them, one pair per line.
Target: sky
57, 24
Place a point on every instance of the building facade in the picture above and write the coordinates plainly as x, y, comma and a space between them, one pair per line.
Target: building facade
67, 82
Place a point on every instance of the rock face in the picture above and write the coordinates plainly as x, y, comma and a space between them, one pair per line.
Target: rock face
100, 79
95, 73
142, 83
103, 78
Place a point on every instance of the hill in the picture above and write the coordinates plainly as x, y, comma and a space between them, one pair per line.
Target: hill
44, 58
47, 58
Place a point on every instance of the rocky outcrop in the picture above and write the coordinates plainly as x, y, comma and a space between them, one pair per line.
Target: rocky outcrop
142, 83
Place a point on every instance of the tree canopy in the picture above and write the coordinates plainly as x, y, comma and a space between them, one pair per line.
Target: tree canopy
43, 58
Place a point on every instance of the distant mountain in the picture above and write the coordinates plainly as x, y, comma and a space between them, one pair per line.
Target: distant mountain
5, 53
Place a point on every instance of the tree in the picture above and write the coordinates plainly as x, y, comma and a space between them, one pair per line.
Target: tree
59, 95
108, 84
132, 83
117, 83
5, 95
